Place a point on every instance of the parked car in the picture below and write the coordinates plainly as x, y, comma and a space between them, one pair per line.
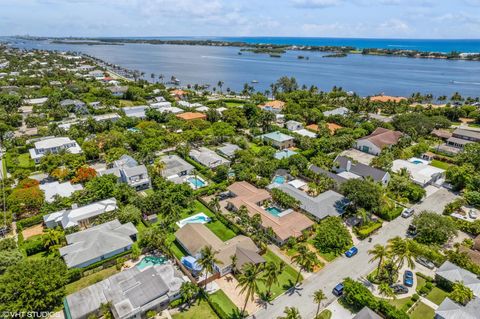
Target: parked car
473, 214
338, 290
399, 289
412, 230
351, 252
425, 262
407, 212
408, 278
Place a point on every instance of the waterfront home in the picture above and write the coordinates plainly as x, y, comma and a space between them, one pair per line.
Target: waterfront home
127, 170
176, 168
98, 243
278, 139
340, 111
79, 216
54, 189
207, 157
130, 293
348, 169
275, 106
228, 150
329, 203
449, 274
421, 172
194, 237
284, 224
380, 138
457, 141
191, 116
386, 98
53, 145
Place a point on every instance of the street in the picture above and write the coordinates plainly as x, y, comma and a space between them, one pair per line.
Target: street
355, 267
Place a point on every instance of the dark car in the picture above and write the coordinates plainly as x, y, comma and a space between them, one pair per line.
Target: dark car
412, 230
399, 289
408, 212
408, 278
351, 252
338, 290
425, 262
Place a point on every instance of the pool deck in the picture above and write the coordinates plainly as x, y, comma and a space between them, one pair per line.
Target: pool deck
184, 222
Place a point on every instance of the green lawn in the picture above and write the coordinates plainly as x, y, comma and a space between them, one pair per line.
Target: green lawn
285, 280
199, 310
224, 303
90, 280
420, 283
440, 164
216, 226
234, 103
175, 247
399, 302
325, 314
254, 147
437, 295
328, 256
422, 311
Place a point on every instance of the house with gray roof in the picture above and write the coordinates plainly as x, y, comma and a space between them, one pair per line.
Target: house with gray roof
130, 293
98, 243
53, 145
76, 106
347, 168
175, 168
208, 158
339, 180
367, 313
329, 203
79, 216
448, 309
127, 170
228, 150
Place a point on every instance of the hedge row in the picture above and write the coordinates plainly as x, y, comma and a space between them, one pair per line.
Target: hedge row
28, 222
365, 231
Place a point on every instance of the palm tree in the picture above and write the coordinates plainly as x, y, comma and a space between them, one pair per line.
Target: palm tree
220, 84
52, 239
188, 291
215, 203
305, 259
318, 297
290, 313
207, 260
248, 280
385, 290
234, 260
379, 253
271, 272
461, 293
400, 250
159, 167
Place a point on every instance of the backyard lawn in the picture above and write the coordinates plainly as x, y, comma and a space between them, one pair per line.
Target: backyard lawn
224, 303
422, 311
285, 280
440, 164
399, 302
90, 280
216, 226
200, 309
437, 295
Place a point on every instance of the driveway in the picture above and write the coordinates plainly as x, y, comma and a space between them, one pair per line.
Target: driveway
356, 267
339, 312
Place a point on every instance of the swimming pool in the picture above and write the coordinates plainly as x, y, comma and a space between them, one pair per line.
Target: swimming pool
151, 261
196, 182
274, 211
279, 179
416, 162
199, 218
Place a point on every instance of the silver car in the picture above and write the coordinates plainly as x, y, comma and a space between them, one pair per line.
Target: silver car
407, 212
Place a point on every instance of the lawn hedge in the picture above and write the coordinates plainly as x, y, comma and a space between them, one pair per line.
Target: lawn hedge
365, 231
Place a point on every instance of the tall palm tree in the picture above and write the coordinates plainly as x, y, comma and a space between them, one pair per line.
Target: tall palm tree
290, 313
318, 297
234, 260
379, 253
400, 251
248, 280
271, 272
207, 260
461, 293
188, 291
52, 239
305, 259
215, 203
385, 290
158, 167
220, 84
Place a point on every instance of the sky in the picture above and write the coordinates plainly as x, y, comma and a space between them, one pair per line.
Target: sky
425, 19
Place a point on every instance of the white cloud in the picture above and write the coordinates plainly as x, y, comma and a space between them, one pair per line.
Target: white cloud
316, 3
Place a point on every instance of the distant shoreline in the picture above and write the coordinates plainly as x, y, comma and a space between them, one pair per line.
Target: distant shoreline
273, 50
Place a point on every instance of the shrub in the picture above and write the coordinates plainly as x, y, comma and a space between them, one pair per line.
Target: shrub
34, 245
415, 297
74, 274
365, 231
151, 314
175, 303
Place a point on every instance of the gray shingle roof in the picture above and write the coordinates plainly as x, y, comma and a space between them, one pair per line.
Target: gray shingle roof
367, 313
449, 309
337, 178
174, 165
360, 169
454, 273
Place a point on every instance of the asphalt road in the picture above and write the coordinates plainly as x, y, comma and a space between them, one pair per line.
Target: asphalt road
355, 267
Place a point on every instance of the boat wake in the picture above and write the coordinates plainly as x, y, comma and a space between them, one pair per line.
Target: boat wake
463, 82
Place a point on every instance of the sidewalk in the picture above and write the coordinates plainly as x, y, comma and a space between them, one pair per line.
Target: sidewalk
432, 305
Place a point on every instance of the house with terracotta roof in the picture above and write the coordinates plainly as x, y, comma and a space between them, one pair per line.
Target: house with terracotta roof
190, 116
332, 127
284, 224
380, 138
386, 98
274, 106
178, 94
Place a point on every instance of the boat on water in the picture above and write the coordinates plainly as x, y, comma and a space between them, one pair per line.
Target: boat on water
254, 81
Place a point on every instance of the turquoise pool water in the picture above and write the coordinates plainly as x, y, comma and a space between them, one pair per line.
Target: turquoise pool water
274, 211
279, 179
150, 261
196, 182
416, 162
196, 219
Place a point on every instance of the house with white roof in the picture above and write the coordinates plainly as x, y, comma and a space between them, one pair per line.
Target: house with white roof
278, 139
342, 111
421, 172
176, 168
98, 243
208, 158
53, 145
54, 189
79, 216
127, 170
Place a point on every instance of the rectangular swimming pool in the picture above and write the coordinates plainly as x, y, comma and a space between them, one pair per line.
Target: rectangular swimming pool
274, 211
195, 181
279, 179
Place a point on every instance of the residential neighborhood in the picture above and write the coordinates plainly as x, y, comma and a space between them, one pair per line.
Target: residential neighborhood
127, 198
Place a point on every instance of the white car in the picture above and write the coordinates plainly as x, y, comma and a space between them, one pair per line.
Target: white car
473, 214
